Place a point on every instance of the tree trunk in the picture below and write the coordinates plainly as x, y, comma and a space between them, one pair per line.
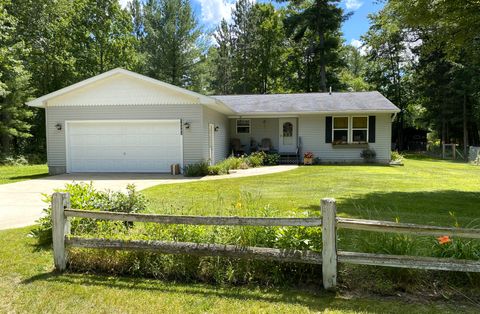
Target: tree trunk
323, 75
465, 127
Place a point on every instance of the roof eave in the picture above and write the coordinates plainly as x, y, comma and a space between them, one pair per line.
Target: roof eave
297, 113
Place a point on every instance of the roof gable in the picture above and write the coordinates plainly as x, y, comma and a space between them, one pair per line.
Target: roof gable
117, 87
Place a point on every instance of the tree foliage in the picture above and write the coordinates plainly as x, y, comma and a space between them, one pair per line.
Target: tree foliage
14, 86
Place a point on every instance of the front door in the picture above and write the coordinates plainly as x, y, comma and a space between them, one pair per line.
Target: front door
211, 143
288, 135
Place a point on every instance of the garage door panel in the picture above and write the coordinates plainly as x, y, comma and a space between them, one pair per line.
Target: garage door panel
119, 146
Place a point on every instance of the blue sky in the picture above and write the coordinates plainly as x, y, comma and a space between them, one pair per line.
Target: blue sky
210, 12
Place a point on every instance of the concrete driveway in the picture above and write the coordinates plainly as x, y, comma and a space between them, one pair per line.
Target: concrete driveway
21, 202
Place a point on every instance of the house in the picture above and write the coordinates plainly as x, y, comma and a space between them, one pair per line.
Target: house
121, 121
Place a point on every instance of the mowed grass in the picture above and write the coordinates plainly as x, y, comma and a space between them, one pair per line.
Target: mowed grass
28, 284
11, 174
423, 191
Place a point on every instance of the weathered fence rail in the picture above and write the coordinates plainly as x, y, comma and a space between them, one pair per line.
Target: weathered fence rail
330, 256
195, 220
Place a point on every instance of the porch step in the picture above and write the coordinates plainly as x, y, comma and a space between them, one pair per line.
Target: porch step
288, 159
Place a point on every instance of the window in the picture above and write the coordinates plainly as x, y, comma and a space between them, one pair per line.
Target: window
359, 129
243, 126
350, 130
340, 130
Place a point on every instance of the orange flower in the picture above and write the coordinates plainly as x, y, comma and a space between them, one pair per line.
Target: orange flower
444, 239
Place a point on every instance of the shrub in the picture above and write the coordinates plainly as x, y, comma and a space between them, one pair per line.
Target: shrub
368, 155
22, 160
272, 159
13, 160
85, 196
255, 159
231, 162
396, 156
199, 169
217, 170
206, 269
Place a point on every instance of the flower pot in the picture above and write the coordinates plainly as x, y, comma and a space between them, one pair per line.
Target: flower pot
307, 161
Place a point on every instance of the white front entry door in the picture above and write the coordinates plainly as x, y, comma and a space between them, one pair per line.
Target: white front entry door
211, 143
288, 135
123, 146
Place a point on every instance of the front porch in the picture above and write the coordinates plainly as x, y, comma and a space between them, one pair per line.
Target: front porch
270, 135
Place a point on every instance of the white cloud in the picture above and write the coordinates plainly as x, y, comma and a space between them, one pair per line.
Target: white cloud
361, 47
213, 11
356, 43
124, 3
353, 4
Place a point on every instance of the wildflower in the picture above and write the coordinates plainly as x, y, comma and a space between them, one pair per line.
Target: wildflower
444, 240
238, 205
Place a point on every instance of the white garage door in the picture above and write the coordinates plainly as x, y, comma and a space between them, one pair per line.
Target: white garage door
123, 146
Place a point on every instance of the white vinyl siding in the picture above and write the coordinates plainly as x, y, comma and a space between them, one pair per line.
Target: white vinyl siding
193, 138
221, 136
311, 130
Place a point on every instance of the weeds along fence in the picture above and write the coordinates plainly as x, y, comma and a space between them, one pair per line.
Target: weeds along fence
328, 258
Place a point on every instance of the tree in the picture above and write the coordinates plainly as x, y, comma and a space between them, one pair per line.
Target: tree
389, 60
14, 86
450, 30
171, 38
222, 82
267, 48
352, 77
103, 37
320, 22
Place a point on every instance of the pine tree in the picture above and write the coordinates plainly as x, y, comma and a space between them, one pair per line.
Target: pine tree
14, 86
171, 38
319, 23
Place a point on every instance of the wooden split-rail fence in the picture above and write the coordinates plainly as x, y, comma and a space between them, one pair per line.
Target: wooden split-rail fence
328, 258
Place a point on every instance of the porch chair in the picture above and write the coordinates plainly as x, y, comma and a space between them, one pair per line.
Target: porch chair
237, 147
266, 145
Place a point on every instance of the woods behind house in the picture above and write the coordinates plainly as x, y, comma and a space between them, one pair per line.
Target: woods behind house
423, 56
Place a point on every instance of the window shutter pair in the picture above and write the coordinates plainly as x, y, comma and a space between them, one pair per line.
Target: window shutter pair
329, 125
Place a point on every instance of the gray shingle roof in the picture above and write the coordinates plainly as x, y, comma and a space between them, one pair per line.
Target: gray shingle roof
308, 103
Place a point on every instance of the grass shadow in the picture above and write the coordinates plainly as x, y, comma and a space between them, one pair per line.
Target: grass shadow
423, 207
308, 298
29, 177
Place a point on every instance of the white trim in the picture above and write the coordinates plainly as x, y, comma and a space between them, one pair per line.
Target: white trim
68, 122
350, 128
359, 129
249, 126
41, 102
211, 143
340, 129
300, 113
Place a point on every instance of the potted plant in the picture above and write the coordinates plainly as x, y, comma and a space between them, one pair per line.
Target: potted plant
308, 158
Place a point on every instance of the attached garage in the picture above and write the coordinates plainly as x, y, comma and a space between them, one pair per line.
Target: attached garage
121, 121
123, 146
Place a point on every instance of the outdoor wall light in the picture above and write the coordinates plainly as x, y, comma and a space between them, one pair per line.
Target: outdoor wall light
58, 126
187, 125
216, 128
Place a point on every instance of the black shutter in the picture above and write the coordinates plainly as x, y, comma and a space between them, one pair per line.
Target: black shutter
328, 129
371, 129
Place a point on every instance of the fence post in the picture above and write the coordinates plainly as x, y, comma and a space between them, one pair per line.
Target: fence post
60, 228
329, 241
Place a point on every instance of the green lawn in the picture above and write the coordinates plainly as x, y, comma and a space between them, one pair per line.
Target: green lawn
10, 174
29, 285
423, 191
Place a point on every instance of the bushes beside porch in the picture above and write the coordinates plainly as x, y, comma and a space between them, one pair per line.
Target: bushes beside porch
256, 159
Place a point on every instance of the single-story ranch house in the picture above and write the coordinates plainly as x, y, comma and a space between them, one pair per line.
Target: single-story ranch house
121, 121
